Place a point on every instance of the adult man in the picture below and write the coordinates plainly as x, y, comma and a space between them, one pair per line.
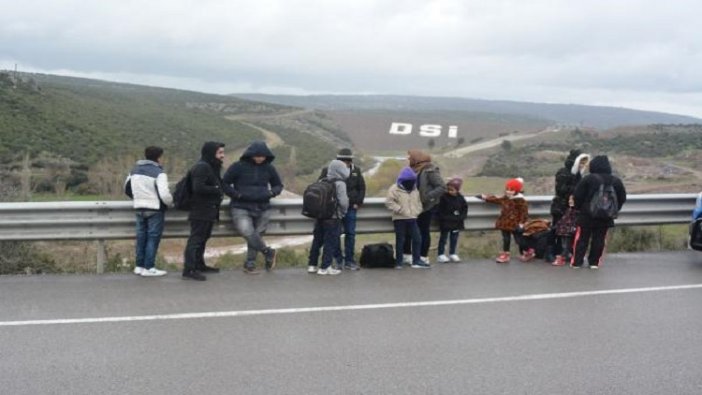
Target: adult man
252, 182
356, 191
147, 185
592, 229
207, 194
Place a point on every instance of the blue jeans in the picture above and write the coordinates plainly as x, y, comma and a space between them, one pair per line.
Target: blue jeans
452, 236
149, 228
251, 224
349, 229
406, 230
326, 233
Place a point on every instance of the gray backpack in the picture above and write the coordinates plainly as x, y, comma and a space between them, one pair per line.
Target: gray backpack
604, 204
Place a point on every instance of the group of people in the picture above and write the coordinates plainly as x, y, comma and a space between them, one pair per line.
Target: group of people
418, 197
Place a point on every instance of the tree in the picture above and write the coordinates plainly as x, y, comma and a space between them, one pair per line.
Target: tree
460, 141
431, 143
506, 145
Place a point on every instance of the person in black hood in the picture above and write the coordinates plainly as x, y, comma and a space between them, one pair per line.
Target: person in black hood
592, 227
252, 182
207, 194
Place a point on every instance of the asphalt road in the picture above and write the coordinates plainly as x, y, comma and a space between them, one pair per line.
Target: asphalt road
501, 329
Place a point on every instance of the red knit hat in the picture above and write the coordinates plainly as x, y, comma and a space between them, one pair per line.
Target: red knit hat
515, 184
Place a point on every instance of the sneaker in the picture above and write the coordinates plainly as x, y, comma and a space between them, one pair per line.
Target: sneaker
270, 255
138, 270
559, 261
527, 255
398, 267
407, 259
194, 275
425, 259
504, 257
328, 271
454, 258
574, 266
421, 265
351, 266
251, 270
311, 269
442, 259
153, 272
594, 267
208, 269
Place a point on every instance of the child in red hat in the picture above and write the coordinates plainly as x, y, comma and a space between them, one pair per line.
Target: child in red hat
513, 215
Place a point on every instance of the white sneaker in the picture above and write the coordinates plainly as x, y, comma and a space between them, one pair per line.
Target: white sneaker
425, 259
442, 259
311, 269
153, 272
138, 270
407, 259
454, 258
328, 271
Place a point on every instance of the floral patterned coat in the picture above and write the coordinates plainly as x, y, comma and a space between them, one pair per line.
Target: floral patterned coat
515, 211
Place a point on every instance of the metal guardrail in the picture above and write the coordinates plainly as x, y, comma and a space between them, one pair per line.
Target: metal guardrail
110, 220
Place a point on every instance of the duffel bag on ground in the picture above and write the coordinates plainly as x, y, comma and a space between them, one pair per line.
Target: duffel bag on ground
377, 255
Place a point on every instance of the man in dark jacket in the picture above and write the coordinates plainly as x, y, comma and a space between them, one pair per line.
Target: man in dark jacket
356, 192
252, 182
207, 194
592, 231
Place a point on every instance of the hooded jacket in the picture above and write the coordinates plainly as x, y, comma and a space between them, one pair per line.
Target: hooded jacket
355, 185
431, 185
251, 186
338, 172
149, 186
567, 178
208, 190
453, 211
600, 173
403, 202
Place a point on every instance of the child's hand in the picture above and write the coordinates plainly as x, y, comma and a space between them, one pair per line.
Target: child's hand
480, 196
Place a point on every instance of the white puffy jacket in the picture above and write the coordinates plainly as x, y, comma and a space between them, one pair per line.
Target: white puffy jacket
149, 186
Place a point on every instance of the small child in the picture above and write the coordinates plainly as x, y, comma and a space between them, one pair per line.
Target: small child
513, 215
453, 210
403, 199
565, 229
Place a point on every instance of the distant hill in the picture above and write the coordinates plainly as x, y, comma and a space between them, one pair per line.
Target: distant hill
77, 132
570, 114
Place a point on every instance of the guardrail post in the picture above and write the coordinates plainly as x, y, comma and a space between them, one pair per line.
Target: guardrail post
101, 255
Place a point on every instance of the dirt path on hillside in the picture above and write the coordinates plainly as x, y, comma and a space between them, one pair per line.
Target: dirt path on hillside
248, 117
272, 139
459, 152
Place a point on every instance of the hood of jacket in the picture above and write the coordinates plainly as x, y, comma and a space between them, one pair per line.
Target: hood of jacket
600, 165
406, 174
147, 162
575, 166
418, 159
338, 170
568, 164
208, 152
258, 148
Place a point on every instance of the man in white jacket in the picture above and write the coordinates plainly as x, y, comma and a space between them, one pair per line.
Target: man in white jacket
147, 185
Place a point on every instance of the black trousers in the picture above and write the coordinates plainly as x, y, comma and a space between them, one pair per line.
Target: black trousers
200, 232
594, 238
424, 223
506, 240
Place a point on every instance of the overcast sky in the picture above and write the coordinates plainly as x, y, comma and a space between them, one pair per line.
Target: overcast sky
644, 54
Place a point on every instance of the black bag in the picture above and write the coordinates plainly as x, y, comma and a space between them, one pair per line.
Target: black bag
603, 204
183, 193
377, 255
128, 189
696, 235
319, 200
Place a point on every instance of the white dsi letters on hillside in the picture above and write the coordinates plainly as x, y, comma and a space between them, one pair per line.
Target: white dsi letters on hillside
428, 130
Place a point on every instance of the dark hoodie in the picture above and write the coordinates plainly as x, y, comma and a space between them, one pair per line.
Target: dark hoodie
251, 186
207, 184
565, 184
600, 173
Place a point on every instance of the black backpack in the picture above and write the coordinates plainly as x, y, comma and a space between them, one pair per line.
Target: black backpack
696, 235
183, 193
319, 200
604, 204
377, 255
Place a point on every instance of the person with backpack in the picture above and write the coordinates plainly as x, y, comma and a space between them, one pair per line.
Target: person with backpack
404, 202
147, 185
356, 190
252, 182
598, 198
206, 194
431, 187
453, 211
327, 202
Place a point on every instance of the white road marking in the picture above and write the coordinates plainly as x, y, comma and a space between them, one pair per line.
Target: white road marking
245, 313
